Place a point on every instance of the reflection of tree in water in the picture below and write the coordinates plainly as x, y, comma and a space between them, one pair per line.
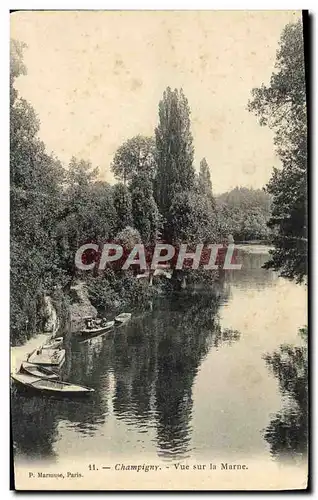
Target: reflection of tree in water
287, 432
134, 366
251, 273
34, 425
156, 361
227, 336
89, 367
185, 341
152, 362
178, 359
35, 418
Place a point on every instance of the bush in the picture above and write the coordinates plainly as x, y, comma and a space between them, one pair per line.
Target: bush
114, 290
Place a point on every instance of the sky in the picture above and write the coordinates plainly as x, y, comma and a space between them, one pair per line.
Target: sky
95, 79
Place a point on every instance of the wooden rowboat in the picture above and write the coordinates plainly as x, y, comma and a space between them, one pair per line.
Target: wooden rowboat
38, 371
53, 387
122, 318
47, 357
53, 343
99, 329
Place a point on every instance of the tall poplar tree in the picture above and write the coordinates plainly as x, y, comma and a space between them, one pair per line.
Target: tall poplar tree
175, 171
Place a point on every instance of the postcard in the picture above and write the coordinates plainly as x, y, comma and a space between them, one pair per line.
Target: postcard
158, 323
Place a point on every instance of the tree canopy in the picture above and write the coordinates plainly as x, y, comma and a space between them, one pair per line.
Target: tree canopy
135, 156
175, 171
244, 213
282, 106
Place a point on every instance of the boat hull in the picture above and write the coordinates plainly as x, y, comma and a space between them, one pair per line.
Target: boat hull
53, 344
93, 332
38, 371
26, 382
122, 319
52, 358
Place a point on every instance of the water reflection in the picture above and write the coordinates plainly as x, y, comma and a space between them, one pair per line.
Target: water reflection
33, 426
154, 367
144, 374
225, 336
152, 363
287, 432
251, 275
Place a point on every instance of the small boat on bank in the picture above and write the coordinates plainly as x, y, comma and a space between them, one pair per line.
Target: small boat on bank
54, 343
54, 387
38, 371
122, 318
96, 330
47, 357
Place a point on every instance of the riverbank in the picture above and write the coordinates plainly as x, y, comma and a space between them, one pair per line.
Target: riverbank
255, 248
116, 291
18, 354
178, 381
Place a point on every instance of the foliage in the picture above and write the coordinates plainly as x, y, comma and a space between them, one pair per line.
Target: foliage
115, 290
144, 208
101, 291
89, 214
136, 156
287, 432
17, 66
244, 213
123, 206
35, 191
282, 106
128, 237
204, 181
175, 171
190, 219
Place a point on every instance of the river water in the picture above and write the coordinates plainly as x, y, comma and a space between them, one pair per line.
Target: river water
202, 375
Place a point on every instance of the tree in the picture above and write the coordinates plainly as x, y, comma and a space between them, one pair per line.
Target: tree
89, 213
17, 66
204, 180
175, 172
144, 208
244, 213
123, 206
135, 156
190, 219
35, 203
128, 238
282, 106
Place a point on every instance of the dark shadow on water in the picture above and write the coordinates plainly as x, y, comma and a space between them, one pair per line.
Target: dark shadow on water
251, 275
143, 374
287, 432
152, 364
34, 431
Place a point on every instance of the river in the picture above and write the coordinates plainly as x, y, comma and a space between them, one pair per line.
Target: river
201, 376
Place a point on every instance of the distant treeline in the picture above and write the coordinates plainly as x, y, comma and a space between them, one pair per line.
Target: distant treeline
244, 213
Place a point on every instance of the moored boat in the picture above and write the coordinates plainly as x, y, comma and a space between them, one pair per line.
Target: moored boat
103, 328
47, 357
122, 318
37, 370
54, 343
56, 387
